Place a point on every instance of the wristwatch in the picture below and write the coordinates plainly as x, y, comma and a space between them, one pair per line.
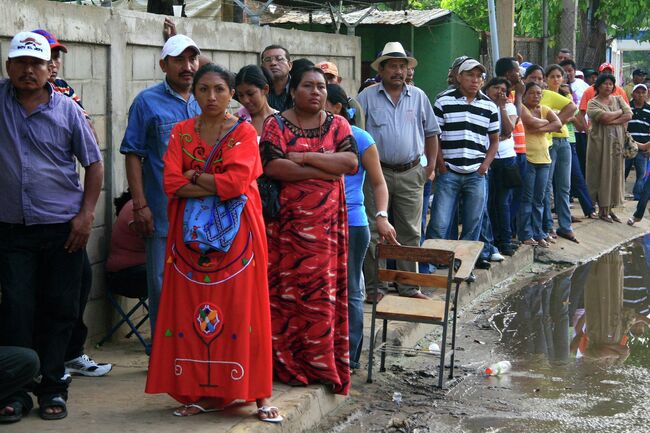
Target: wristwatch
382, 214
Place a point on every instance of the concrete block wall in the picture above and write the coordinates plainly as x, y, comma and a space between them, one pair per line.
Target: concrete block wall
113, 55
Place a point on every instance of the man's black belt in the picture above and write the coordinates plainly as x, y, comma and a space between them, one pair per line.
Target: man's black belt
398, 168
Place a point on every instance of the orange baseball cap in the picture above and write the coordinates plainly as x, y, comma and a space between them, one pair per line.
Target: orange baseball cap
328, 68
604, 66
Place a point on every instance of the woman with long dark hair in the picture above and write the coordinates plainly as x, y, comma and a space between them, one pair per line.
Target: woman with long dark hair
538, 121
252, 85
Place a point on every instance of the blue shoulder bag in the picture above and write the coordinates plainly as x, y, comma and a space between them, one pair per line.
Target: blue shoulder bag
209, 223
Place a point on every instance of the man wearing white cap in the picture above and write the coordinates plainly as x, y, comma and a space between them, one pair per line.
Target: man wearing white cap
151, 117
45, 219
400, 119
469, 141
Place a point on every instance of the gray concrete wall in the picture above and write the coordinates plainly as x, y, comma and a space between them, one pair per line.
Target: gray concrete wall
113, 54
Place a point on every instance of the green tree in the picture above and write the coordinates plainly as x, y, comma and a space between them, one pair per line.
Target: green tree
598, 20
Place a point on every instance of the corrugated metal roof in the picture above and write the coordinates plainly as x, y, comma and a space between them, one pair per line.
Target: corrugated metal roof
416, 18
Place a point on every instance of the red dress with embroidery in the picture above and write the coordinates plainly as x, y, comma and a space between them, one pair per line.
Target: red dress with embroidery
213, 333
308, 246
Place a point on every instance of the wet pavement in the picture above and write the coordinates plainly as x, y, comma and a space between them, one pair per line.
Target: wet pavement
578, 341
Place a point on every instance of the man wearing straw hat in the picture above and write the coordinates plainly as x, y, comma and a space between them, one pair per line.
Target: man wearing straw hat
401, 120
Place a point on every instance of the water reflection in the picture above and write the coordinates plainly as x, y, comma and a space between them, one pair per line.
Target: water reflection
597, 312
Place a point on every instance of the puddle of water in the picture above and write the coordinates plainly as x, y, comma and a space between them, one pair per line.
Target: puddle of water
580, 348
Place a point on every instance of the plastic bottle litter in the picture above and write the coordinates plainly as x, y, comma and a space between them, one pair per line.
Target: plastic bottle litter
397, 398
499, 368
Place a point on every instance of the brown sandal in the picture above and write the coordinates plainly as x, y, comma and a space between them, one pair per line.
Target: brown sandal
568, 236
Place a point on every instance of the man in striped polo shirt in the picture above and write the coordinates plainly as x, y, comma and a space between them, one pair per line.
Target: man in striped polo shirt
469, 121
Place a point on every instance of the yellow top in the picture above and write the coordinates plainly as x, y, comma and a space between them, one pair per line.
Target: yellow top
556, 102
537, 143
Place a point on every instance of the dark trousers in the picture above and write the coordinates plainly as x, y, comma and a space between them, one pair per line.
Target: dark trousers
80, 330
18, 367
40, 296
643, 200
499, 202
579, 185
581, 150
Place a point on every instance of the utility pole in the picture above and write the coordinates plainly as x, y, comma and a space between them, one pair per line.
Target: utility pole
494, 31
568, 24
544, 33
506, 26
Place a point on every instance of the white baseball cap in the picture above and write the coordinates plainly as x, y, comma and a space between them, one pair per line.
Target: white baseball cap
469, 64
30, 44
176, 45
639, 86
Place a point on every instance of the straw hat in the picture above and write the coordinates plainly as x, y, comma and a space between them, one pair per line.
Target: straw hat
393, 50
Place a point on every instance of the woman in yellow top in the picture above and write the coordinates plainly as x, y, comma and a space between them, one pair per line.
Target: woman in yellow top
559, 178
605, 163
538, 121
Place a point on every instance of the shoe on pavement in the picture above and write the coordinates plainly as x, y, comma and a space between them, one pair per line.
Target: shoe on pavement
482, 264
497, 257
84, 365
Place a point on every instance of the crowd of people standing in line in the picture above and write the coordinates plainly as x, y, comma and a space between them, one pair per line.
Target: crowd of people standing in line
280, 294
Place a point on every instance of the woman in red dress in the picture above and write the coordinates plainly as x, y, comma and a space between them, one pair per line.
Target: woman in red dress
308, 152
212, 345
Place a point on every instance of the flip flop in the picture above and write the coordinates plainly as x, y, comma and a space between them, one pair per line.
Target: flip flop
633, 220
201, 409
55, 400
569, 236
266, 410
613, 216
606, 218
14, 416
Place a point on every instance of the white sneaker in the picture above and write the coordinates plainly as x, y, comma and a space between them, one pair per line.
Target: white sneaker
497, 257
86, 366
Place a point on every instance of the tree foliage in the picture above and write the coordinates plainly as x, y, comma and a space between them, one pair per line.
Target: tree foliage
623, 17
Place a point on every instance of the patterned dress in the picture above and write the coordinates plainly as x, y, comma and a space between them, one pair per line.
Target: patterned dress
308, 261
213, 333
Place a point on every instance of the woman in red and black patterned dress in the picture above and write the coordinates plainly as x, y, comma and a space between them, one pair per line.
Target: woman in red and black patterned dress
308, 152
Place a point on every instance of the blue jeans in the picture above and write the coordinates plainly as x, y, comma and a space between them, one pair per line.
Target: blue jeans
578, 184
499, 202
487, 236
155, 249
562, 182
639, 162
359, 238
643, 200
451, 188
559, 183
522, 162
533, 196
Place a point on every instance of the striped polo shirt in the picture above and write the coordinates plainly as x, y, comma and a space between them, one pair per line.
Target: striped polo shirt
639, 126
465, 129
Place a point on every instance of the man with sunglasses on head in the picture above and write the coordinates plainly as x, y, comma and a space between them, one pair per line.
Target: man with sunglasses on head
276, 59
